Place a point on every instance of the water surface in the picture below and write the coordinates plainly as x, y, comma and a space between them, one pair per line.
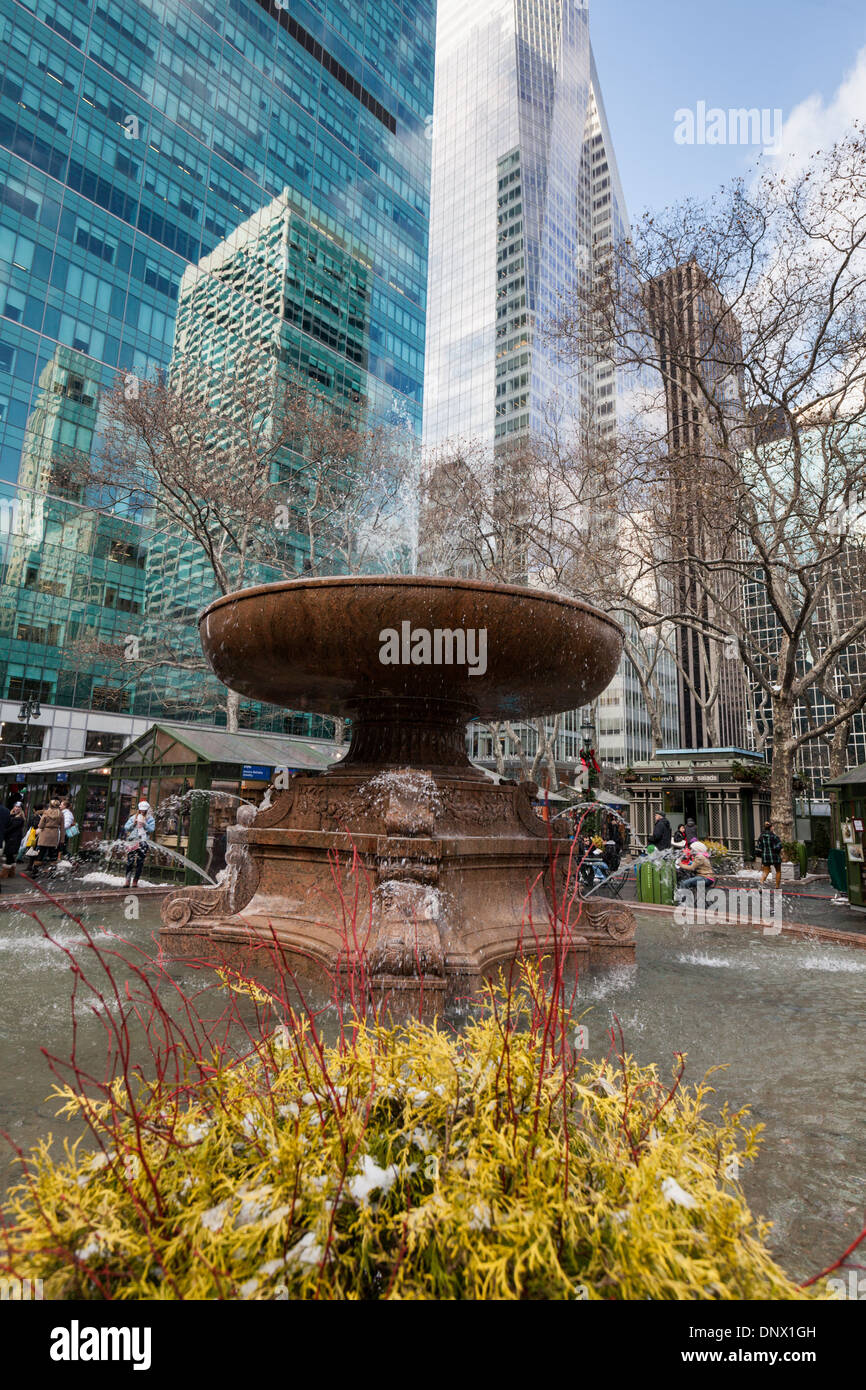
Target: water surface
785, 1015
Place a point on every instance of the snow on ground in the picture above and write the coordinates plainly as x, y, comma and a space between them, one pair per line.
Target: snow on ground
114, 880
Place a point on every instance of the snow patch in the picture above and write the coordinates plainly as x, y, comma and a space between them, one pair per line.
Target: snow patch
371, 1178
676, 1195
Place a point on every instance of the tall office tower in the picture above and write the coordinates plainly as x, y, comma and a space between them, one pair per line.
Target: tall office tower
691, 322
623, 728
526, 204
512, 95
134, 138
282, 296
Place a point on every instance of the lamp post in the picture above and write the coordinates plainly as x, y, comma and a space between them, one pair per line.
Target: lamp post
587, 730
30, 709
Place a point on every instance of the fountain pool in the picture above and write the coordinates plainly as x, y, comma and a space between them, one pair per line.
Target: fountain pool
784, 1015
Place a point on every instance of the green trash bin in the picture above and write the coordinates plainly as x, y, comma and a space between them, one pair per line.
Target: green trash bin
667, 882
656, 881
837, 868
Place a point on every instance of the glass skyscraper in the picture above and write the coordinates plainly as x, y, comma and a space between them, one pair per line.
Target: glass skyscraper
526, 205
512, 95
134, 138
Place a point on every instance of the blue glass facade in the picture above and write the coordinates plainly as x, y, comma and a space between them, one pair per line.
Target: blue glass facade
134, 138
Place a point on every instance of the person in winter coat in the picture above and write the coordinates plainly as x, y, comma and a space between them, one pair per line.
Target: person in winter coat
140, 824
13, 837
680, 842
691, 830
769, 847
70, 829
49, 834
611, 855
661, 836
696, 862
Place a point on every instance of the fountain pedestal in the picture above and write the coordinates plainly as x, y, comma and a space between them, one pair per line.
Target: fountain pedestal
403, 859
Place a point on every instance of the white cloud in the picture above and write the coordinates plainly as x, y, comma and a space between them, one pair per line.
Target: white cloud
814, 125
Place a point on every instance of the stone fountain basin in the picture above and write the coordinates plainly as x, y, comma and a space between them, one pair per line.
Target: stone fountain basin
316, 645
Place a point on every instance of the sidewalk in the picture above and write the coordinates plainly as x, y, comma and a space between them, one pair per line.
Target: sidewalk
807, 907
21, 892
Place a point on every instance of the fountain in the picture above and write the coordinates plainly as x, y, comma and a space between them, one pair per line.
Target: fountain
403, 854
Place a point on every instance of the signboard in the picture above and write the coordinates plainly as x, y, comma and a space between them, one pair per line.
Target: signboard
62, 777
253, 772
680, 779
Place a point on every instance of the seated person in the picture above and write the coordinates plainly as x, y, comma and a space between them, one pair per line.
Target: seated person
696, 862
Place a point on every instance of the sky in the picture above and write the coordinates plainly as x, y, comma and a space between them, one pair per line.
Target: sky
805, 58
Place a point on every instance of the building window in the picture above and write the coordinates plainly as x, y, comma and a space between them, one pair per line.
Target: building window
109, 698
20, 688
97, 742
23, 749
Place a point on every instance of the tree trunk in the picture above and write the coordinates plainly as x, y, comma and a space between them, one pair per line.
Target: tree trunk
839, 749
782, 771
499, 748
233, 704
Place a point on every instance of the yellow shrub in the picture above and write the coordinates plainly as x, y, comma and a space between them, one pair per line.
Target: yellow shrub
406, 1164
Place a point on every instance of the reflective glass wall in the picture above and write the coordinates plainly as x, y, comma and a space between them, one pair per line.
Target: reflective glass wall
134, 139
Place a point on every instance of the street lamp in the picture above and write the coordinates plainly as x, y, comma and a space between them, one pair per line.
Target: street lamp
30, 709
587, 730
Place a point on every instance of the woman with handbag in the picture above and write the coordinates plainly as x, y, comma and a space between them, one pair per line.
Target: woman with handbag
70, 830
48, 836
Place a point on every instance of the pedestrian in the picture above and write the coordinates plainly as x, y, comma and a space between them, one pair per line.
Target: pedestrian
680, 840
28, 846
769, 849
140, 824
70, 829
12, 839
611, 855
48, 835
691, 829
661, 836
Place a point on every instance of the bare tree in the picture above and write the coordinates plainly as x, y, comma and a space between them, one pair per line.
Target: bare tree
773, 384
248, 476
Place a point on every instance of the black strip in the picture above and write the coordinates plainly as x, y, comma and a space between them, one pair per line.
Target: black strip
329, 63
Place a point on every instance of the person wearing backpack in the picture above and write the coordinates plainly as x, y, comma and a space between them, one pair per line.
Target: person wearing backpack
769, 848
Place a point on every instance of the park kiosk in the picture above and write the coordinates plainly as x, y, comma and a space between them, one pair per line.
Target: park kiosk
848, 801
723, 790
171, 762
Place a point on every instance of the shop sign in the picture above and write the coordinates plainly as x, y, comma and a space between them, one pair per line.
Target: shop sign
253, 772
